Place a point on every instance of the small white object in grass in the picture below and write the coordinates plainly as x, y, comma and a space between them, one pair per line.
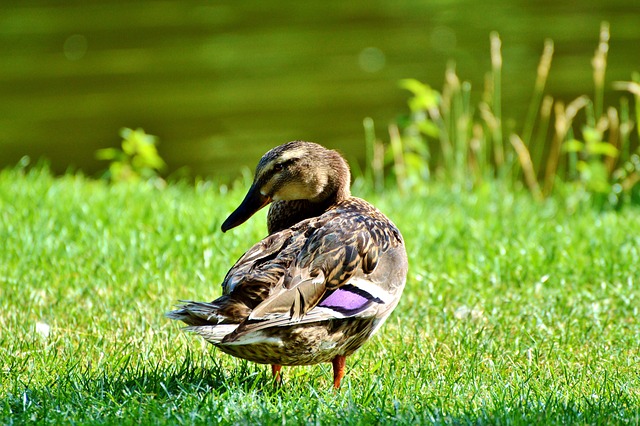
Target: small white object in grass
464, 312
43, 329
529, 354
539, 285
207, 254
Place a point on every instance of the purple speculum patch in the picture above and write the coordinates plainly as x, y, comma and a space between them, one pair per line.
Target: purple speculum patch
348, 299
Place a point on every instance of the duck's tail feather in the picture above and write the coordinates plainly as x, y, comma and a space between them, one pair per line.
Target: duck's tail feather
197, 313
213, 333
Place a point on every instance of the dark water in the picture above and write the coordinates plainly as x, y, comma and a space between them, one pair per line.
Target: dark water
220, 82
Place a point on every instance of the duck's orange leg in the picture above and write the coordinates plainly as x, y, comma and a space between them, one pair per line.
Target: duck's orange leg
338, 370
275, 370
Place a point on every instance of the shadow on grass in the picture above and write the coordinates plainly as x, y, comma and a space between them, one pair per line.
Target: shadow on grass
199, 386
82, 392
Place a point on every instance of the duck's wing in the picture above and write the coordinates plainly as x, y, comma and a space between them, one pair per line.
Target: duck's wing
248, 283
329, 276
262, 268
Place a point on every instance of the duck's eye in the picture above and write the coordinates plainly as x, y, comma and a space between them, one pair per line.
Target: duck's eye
278, 167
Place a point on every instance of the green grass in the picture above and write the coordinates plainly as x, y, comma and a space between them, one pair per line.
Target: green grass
514, 312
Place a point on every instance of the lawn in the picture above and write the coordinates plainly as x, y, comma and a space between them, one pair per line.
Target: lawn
515, 312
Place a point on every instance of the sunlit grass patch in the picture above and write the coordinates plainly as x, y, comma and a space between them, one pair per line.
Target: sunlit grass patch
513, 313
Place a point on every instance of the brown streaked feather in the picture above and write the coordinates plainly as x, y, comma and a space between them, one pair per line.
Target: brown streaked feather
309, 263
280, 274
296, 302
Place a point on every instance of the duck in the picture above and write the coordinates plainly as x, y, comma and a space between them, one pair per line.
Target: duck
326, 277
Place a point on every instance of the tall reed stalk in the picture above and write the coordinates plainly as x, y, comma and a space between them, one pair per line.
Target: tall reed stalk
496, 104
586, 144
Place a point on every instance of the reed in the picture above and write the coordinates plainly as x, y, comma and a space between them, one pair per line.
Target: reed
590, 147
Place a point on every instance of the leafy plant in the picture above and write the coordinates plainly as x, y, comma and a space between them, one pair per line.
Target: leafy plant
447, 136
137, 160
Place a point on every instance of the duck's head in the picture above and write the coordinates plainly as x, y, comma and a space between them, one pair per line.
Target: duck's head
294, 171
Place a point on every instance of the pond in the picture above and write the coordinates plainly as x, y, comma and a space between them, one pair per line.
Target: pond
220, 82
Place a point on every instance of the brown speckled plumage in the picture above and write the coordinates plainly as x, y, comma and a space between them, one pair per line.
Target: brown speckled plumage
330, 272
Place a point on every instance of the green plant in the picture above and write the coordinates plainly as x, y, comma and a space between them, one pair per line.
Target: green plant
594, 159
137, 160
627, 175
448, 136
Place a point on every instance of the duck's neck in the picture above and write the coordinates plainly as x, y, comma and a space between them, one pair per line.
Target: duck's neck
286, 213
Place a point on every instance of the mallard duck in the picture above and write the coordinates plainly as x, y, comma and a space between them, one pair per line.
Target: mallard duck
320, 284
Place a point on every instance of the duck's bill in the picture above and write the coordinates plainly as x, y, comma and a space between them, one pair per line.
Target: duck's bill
252, 202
